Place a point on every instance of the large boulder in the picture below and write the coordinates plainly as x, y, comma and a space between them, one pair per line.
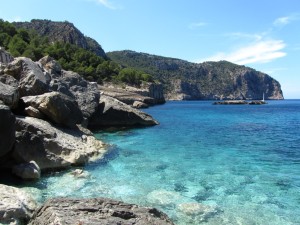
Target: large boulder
51, 147
61, 211
112, 112
16, 206
7, 129
30, 75
85, 93
59, 108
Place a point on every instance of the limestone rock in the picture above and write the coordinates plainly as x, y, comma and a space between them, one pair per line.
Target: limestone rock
112, 112
85, 93
27, 171
139, 105
57, 107
51, 147
32, 80
7, 129
50, 65
16, 206
61, 211
33, 112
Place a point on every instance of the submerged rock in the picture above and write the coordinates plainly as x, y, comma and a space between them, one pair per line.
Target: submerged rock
61, 211
52, 147
195, 212
163, 198
16, 206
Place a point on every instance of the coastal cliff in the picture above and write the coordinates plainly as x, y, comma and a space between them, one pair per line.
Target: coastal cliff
183, 80
62, 31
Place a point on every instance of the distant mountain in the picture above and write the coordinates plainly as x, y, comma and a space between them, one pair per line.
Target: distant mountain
202, 81
62, 31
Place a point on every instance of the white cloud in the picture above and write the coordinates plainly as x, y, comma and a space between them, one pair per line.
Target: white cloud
257, 52
282, 21
193, 26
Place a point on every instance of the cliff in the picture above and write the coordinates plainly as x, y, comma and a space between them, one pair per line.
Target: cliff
62, 31
184, 80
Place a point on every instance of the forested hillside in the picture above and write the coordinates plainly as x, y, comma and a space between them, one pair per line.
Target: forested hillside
208, 80
29, 43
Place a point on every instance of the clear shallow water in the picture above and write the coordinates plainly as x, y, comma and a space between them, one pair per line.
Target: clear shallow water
204, 164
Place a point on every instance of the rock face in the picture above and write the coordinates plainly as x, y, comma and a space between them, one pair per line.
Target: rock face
112, 112
148, 93
96, 211
58, 107
184, 80
53, 148
7, 129
9, 95
64, 32
16, 206
5, 57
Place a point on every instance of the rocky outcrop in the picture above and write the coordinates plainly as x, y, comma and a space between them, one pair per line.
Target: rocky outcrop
148, 93
57, 107
85, 93
112, 112
16, 206
53, 147
32, 80
7, 129
61, 211
64, 32
184, 80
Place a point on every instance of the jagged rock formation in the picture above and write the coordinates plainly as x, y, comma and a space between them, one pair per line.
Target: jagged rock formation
61, 211
54, 107
183, 80
62, 31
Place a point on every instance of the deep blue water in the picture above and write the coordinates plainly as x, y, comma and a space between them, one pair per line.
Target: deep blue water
204, 164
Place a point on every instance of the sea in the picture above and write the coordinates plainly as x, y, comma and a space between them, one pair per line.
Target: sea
204, 164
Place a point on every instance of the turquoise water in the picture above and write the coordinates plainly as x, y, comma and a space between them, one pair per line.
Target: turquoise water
204, 164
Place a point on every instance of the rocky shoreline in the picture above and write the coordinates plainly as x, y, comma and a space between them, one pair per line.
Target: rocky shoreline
46, 116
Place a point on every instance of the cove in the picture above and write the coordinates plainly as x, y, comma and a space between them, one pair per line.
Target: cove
204, 164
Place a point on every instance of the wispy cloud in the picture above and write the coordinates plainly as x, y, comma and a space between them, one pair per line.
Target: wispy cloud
283, 21
262, 51
107, 4
193, 26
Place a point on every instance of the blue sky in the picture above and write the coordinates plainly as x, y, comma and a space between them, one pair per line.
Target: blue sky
262, 34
